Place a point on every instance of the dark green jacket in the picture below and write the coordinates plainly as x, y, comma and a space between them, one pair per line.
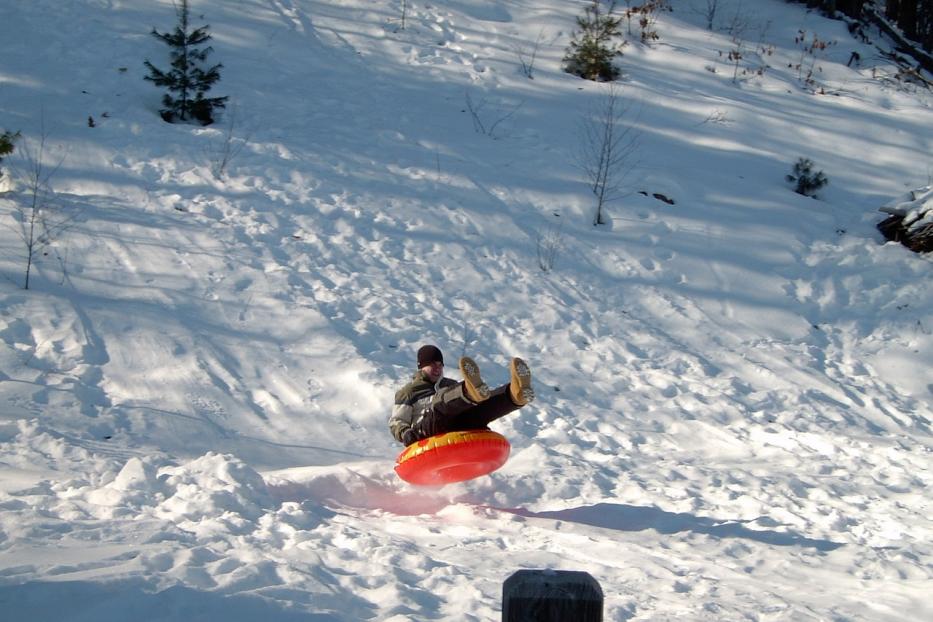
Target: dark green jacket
412, 402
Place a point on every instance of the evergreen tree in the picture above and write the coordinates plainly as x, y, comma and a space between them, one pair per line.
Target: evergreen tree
6, 144
593, 48
186, 78
914, 18
925, 24
807, 182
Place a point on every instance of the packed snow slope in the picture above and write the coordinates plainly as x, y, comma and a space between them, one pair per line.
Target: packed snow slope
734, 380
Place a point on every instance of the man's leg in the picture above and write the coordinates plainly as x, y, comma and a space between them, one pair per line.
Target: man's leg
481, 415
453, 409
507, 398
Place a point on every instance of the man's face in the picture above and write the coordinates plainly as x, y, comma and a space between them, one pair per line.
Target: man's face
434, 371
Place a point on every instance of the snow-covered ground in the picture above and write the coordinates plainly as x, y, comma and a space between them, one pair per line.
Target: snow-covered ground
734, 390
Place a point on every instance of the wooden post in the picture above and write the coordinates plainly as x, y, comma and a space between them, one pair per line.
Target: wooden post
551, 596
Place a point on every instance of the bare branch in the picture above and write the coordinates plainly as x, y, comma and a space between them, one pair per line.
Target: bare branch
38, 221
223, 150
608, 148
549, 244
526, 58
484, 126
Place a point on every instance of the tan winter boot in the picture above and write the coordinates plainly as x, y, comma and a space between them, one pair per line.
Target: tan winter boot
473, 385
520, 385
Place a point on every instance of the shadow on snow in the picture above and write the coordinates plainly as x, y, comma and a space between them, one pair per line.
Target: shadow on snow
134, 600
622, 517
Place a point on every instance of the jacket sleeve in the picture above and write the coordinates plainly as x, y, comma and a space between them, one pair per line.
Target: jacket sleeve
412, 403
401, 421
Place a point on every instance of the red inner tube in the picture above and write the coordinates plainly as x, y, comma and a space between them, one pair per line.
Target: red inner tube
452, 457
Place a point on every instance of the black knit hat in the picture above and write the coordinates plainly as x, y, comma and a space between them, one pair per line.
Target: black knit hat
429, 354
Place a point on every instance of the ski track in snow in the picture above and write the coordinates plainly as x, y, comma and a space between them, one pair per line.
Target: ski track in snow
733, 414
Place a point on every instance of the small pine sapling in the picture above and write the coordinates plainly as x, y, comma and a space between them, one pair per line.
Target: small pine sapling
7, 140
187, 79
7, 144
593, 47
807, 182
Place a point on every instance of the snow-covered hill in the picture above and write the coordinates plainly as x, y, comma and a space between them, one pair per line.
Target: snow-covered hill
734, 406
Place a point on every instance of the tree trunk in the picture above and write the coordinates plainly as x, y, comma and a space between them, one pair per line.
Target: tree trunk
851, 8
907, 46
892, 10
925, 24
908, 18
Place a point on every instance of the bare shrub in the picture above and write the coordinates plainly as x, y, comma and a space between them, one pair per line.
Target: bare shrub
38, 218
608, 149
